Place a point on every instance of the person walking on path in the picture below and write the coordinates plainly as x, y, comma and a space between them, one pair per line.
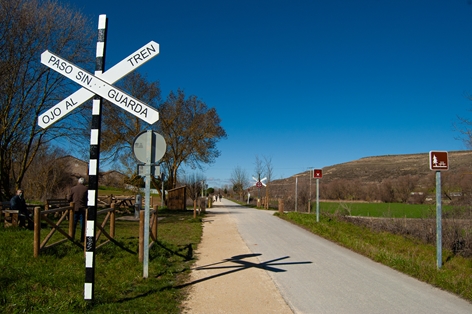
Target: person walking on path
78, 195
18, 203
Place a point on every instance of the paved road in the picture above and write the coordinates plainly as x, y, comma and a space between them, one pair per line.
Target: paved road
317, 276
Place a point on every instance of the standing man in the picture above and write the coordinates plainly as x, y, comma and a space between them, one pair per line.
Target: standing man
79, 195
18, 203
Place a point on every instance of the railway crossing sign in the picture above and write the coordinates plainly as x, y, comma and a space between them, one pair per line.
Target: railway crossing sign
259, 183
118, 71
100, 87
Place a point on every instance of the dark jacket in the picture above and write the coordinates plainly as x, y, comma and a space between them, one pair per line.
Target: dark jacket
79, 195
18, 203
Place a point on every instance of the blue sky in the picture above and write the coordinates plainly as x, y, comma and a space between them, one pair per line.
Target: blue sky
308, 84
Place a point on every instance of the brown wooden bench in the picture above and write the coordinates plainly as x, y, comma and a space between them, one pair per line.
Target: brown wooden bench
56, 203
123, 201
10, 216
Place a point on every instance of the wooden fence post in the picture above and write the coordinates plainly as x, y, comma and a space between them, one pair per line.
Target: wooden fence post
154, 225
281, 205
71, 220
37, 231
112, 221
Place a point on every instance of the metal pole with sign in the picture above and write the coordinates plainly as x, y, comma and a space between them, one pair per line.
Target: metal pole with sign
438, 221
148, 147
317, 200
318, 174
438, 161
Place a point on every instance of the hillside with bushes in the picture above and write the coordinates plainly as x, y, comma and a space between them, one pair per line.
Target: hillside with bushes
390, 178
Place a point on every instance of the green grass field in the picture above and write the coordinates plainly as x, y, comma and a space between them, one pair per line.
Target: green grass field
54, 282
390, 210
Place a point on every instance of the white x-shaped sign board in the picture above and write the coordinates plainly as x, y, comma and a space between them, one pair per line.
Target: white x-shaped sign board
100, 85
261, 181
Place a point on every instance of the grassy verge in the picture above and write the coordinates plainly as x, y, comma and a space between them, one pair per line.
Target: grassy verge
54, 282
389, 210
403, 254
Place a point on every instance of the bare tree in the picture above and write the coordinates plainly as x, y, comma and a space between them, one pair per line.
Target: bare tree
120, 127
191, 131
403, 186
194, 183
258, 168
269, 171
464, 127
28, 28
239, 179
387, 191
48, 176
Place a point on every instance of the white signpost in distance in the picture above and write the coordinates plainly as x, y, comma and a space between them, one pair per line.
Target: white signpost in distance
99, 87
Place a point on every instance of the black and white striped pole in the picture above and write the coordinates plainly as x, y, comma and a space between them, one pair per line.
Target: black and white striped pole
94, 167
97, 85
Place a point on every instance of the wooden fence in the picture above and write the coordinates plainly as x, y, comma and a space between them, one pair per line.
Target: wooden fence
68, 212
177, 198
55, 218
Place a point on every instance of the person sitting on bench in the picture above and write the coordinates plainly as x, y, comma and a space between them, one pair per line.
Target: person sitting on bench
18, 203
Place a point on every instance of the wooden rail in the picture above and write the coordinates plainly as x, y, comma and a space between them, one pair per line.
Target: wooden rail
64, 212
56, 203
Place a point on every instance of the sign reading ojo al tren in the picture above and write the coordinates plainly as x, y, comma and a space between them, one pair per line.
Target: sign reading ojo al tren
100, 85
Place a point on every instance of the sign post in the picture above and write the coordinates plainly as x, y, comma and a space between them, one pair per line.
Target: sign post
317, 173
438, 161
259, 183
148, 147
97, 85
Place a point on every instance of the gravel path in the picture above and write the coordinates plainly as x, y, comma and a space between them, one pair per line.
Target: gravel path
223, 279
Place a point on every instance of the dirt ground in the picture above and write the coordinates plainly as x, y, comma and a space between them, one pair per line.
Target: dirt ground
220, 282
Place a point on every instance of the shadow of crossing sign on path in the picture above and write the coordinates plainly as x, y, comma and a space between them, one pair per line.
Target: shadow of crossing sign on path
239, 264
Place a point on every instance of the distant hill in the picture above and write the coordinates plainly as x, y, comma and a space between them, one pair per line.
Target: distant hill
375, 169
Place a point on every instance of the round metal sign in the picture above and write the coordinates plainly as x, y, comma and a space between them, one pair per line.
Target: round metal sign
157, 149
